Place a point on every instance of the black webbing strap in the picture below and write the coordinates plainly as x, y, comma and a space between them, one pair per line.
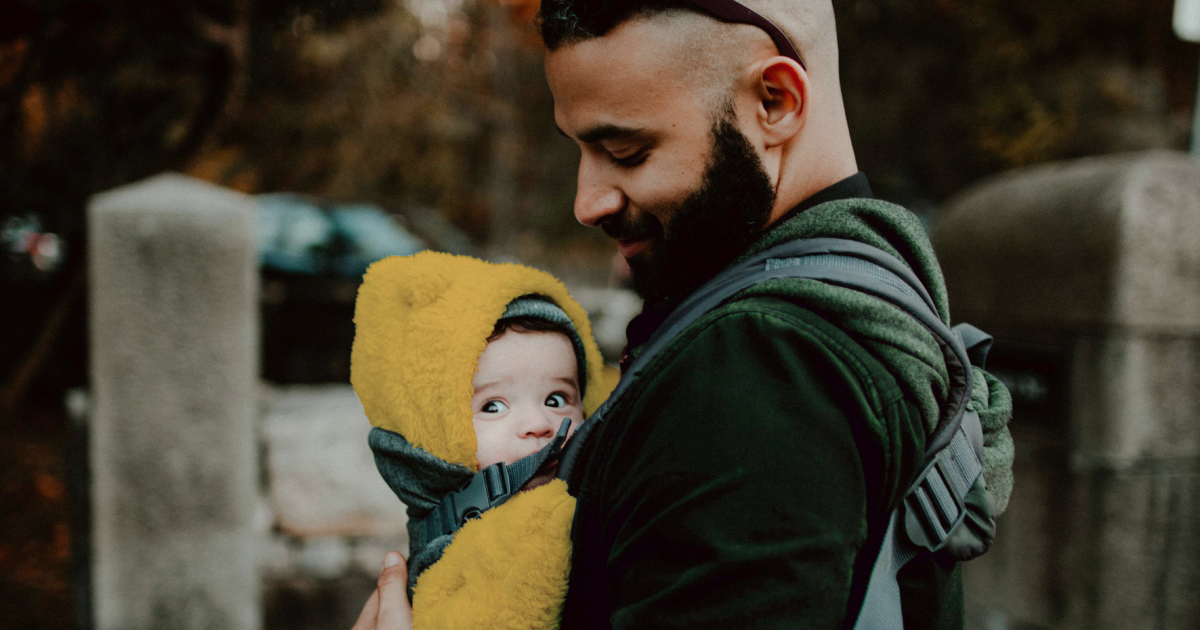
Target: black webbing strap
488, 488
934, 506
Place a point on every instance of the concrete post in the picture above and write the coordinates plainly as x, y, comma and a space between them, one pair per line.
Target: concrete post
174, 343
1089, 275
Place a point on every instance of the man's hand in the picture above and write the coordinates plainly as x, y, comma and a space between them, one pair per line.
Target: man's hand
388, 607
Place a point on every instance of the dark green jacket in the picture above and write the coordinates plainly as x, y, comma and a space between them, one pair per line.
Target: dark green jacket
744, 481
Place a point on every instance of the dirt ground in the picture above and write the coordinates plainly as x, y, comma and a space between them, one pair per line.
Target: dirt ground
35, 531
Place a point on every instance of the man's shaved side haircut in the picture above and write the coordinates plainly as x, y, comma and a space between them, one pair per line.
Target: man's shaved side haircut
711, 46
564, 22
710, 54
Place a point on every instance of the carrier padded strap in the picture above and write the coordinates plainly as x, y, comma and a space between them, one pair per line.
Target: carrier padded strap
881, 607
955, 472
977, 343
841, 262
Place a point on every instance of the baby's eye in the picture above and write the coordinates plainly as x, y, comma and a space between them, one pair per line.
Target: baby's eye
556, 400
493, 406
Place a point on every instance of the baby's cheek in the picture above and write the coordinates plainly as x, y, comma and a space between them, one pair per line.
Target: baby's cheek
577, 419
486, 451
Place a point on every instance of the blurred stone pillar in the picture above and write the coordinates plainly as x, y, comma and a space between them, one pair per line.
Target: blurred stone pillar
174, 342
1088, 273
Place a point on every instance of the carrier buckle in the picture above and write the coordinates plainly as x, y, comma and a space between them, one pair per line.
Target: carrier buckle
936, 504
483, 491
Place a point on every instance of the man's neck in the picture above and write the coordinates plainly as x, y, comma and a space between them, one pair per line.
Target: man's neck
853, 186
820, 158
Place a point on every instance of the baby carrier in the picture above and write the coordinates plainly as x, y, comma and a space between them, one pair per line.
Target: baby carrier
946, 510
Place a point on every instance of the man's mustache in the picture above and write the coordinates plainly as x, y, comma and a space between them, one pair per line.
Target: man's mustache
623, 228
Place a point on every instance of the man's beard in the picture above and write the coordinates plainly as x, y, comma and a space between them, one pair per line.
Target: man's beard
708, 229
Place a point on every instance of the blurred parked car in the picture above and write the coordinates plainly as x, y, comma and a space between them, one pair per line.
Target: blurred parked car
313, 255
307, 237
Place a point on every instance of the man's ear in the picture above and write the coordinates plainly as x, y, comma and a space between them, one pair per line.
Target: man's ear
783, 99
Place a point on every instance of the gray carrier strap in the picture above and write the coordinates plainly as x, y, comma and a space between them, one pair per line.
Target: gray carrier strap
871, 271
488, 488
934, 507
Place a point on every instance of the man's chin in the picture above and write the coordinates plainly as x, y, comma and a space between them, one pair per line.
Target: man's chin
656, 288
638, 263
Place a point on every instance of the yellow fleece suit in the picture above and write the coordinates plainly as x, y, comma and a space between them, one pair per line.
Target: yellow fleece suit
422, 322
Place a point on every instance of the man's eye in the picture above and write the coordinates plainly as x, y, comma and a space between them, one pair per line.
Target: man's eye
556, 400
632, 160
493, 406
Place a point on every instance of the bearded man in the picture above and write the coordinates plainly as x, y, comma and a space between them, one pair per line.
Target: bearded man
746, 478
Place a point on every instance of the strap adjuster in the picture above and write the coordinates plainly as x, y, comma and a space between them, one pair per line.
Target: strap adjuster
936, 503
933, 508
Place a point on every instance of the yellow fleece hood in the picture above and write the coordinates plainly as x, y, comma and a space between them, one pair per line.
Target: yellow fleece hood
422, 321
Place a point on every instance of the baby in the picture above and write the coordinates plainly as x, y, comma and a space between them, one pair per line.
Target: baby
461, 366
530, 379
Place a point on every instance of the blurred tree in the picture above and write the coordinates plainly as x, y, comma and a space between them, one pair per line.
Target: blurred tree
94, 94
433, 103
942, 92
422, 106
426, 101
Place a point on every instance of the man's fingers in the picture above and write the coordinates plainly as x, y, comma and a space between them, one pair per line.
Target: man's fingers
395, 613
366, 619
394, 575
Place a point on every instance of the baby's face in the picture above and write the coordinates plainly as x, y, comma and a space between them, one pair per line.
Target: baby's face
526, 385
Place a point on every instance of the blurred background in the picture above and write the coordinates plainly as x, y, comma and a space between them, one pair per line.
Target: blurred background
364, 128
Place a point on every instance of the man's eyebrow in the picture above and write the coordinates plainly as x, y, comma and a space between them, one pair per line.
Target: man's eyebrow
600, 133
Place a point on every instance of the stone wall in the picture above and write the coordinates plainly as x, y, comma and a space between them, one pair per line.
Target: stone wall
1088, 273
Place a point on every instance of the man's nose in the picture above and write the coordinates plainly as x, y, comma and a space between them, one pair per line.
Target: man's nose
595, 198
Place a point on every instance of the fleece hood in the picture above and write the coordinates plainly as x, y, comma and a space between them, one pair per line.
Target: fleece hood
902, 345
422, 321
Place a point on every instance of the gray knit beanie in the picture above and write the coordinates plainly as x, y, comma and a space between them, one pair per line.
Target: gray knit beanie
543, 308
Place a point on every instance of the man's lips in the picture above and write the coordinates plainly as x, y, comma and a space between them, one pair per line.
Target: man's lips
632, 236
630, 247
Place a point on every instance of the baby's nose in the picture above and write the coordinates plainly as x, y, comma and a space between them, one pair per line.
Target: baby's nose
539, 426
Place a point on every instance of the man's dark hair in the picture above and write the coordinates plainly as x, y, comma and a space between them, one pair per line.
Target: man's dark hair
564, 22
